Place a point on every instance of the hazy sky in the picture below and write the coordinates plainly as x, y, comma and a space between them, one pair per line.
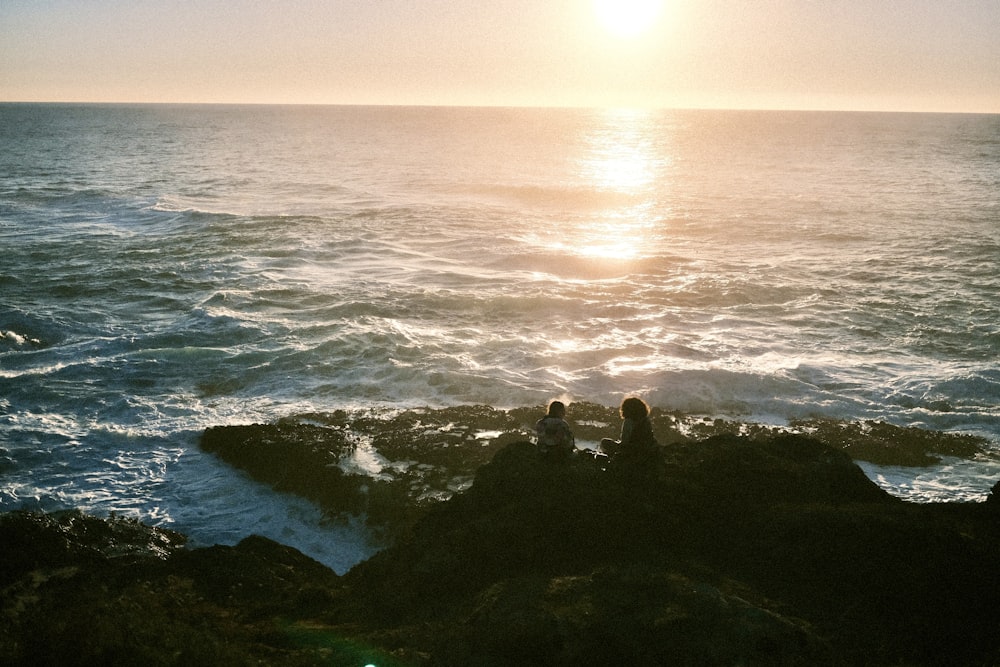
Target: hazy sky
938, 55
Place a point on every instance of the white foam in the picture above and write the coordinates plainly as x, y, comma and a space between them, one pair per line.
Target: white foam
177, 290
953, 480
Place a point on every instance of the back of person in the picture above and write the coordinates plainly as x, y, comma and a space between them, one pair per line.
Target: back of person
637, 450
640, 434
554, 436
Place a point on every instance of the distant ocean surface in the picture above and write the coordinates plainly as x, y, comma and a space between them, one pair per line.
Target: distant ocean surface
169, 268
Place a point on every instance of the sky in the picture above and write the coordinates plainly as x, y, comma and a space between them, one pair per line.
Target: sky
887, 55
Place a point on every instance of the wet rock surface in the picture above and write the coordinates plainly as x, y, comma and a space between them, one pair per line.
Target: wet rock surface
417, 458
753, 549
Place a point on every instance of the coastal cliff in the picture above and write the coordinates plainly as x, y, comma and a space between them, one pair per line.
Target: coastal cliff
755, 549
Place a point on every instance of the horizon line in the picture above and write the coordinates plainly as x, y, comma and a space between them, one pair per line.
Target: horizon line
496, 106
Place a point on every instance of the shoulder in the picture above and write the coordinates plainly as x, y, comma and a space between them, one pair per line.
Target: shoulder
644, 424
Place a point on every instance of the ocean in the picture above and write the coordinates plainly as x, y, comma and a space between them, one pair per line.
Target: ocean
169, 268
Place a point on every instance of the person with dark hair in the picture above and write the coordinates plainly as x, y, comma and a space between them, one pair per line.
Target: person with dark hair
554, 437
636, 442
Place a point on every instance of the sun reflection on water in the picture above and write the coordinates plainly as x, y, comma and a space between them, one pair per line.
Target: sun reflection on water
617, 234
621, 158
621, 155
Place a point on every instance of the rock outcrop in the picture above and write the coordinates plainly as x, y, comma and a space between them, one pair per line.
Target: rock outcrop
737, 552
391, 468
732, 551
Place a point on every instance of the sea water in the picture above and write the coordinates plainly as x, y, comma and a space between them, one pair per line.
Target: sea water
168, 268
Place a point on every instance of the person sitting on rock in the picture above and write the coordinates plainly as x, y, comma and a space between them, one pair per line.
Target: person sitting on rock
637, 442
554, 437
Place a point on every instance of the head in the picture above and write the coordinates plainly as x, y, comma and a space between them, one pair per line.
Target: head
557, 409
634, 408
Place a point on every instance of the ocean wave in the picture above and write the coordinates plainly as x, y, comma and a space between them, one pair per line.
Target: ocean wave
12, 339
562, 197
157, 289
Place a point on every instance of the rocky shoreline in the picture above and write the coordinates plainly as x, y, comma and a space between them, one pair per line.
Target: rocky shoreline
749, 546
392, 468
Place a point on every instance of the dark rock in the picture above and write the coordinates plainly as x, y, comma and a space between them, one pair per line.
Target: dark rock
739, 552
885, 444
425, 456
627, 615
299, 458
733, 550
32, 541
428, 455
993, 499
78, 590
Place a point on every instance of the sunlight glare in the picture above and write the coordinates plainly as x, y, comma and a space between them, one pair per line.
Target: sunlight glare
627, 18
621, 163
621, 156
616, 237
622, 168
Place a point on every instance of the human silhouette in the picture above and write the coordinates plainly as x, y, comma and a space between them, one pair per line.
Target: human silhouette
554, 437
636, 442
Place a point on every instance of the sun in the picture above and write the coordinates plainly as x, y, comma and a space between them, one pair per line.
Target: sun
627, 18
